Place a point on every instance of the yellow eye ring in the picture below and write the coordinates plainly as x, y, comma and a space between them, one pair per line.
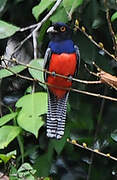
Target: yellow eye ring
63, 29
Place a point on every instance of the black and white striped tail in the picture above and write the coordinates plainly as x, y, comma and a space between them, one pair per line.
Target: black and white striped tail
56, 116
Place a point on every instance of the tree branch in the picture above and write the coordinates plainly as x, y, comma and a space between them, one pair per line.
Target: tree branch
38, 25
99, 45
111, 32
84, 146
68, 89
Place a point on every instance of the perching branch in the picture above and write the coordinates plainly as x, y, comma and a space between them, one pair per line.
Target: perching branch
84, 146
105, 78
69, 89
13, 60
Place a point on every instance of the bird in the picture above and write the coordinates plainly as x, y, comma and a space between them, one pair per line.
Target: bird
61, 57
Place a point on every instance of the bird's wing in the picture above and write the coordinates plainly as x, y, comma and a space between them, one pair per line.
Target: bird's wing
47, 58
78, 58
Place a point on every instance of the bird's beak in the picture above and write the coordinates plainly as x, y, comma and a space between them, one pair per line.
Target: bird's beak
51, 30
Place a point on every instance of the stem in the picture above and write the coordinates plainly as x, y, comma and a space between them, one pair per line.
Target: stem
35, 55
99, 120
21, 146
19, 139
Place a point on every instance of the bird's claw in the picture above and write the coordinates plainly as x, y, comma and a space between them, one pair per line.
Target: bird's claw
70, 78
53, 73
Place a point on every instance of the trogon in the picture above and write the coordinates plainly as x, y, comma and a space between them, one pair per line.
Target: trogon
61, 57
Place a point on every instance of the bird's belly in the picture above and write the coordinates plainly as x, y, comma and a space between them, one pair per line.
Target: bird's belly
64, 64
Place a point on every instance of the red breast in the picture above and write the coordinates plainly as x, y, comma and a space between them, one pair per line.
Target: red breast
64, 64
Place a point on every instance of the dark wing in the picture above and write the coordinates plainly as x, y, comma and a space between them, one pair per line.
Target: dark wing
78, 59
47, 58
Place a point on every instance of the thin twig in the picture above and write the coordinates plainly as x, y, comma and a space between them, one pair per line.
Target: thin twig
35, 54
94, 94
68, 89
48, 72
38, 26
28, 27
99, 75
100, 45
62, 76
111, 32
96, 133
84, 146
35, 44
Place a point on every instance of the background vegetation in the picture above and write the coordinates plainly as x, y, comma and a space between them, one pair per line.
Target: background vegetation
25, 151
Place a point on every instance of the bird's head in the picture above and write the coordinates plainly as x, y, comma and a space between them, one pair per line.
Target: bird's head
59, 32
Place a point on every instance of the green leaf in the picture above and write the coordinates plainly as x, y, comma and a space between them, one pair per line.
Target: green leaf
15, 69
13, 171
33, 106
67, 4
43, 30
114, 135
37, 74
2, 5
24, 172
6, 157
114, 17
41, 7
7, 30
7, 134
7, 118
26, 167
59, 15
71, 4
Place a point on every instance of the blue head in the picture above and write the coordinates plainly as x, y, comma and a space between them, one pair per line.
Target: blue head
59, 32
60, 35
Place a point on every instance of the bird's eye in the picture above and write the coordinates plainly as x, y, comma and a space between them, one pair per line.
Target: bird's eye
63, 28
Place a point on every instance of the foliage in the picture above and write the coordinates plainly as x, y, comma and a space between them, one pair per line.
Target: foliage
36, 74
7, 134
33, 112
114, 16
41, 7
7, 30
6, 73
89, 119
6, 157
25, 171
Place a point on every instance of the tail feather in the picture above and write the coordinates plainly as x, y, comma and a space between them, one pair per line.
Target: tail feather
51, 117
61, 110
56, 116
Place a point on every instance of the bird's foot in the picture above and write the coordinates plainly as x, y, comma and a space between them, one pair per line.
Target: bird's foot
53, 73
70, 78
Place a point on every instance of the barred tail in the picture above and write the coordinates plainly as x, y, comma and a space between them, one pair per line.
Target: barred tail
56, 116
51, 116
